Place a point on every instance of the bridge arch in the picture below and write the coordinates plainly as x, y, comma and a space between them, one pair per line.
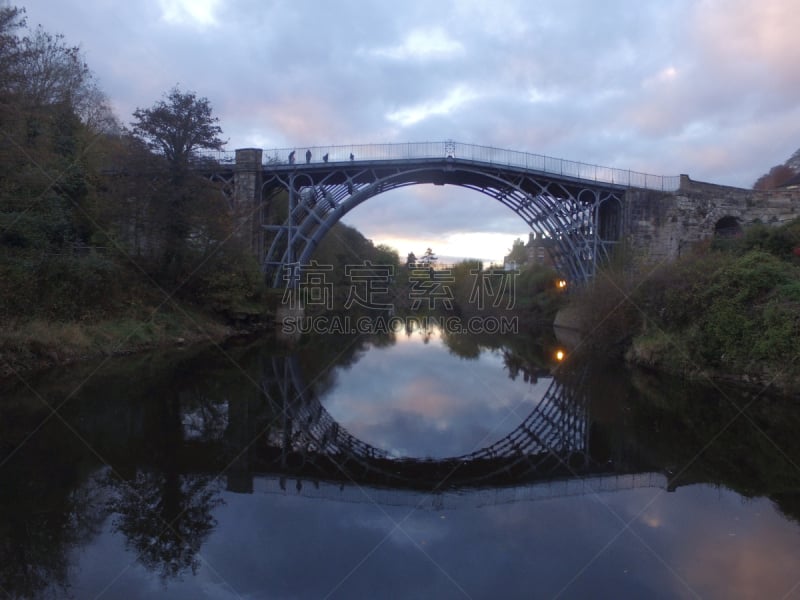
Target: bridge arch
552, 440
727, 227
584, 221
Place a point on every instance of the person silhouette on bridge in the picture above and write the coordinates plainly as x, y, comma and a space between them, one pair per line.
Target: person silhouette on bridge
352, 156
291, 157
325, 157
308, 156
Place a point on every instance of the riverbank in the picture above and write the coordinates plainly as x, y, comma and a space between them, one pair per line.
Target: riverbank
667, 352
36, 345
726, 312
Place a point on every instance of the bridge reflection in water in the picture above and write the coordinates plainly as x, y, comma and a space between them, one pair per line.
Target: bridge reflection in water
305, 450
461, 498
144, 481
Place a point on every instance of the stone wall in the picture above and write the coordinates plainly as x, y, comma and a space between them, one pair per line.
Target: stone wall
661, 226
247, 176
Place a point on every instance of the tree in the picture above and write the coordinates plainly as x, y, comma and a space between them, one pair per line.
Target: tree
777, 175
40, 71
177, 126
47, 93
429, 258
411, 259
385, 255
11, 19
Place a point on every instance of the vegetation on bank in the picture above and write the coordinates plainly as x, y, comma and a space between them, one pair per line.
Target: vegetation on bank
729, 310
37, 344
109, 239
113, 238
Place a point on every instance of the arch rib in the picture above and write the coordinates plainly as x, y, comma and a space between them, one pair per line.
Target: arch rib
568, 214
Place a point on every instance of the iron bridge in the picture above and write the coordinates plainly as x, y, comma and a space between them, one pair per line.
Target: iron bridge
579, 206
551, 443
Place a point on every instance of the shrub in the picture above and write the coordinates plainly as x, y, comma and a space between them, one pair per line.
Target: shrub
229, 285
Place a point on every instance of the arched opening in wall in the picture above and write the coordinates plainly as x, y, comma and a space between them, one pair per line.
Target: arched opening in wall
727, 227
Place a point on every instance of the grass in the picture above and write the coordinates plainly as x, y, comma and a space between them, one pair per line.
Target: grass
38, 343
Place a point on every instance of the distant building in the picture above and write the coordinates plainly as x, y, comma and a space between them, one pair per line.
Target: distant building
537, 252
540, 250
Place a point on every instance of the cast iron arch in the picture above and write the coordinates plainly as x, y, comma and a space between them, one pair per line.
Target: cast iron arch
584, 220
553, 440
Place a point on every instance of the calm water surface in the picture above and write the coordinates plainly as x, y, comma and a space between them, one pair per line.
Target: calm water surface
412, 466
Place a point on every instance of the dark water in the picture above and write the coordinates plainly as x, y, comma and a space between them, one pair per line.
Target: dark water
414, 466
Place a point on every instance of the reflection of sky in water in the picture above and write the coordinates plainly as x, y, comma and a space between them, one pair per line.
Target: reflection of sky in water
418, 399
698, 541
315, 539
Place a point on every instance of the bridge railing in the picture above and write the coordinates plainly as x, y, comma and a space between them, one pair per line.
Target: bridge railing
470, 152
464, 498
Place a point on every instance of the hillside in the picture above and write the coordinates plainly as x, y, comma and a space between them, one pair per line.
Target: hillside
779, 174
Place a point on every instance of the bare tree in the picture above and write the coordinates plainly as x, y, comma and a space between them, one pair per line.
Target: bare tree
39, 71
11, 19
52, 72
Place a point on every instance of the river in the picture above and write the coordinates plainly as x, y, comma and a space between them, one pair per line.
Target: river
407, 465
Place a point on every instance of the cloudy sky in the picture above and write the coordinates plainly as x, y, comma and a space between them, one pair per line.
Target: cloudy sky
709, 88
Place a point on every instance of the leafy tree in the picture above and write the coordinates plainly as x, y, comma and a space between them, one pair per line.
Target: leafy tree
177, 126
78, 201
411, 259
47, 95
387, 256
165, 518
777, 176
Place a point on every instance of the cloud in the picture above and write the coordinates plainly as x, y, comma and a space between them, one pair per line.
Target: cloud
703, 88
454, 100
422, 45
431, 413
199, 13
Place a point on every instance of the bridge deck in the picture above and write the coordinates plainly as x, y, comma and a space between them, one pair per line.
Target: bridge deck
460, 499
277, 160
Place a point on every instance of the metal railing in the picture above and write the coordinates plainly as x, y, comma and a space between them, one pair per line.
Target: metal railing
470, 152
462, 498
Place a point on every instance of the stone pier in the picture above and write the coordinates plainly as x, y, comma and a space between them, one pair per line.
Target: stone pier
247, 181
